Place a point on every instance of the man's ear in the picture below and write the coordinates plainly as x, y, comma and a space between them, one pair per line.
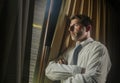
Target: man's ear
88, 28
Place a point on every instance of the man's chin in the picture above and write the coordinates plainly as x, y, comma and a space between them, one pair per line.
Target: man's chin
74, 38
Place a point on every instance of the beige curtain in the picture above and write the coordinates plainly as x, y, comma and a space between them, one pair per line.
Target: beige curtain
96, 9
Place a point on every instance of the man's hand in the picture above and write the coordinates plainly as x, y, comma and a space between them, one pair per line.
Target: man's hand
83, 71
62, 61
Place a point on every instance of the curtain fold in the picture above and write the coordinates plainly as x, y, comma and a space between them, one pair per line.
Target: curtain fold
16, 31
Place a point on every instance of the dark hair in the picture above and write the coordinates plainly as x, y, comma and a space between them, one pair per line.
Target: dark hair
84, 20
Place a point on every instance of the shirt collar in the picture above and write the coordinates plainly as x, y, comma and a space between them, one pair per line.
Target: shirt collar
85, 42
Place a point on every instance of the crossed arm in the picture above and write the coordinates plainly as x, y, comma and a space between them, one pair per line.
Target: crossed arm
57, 71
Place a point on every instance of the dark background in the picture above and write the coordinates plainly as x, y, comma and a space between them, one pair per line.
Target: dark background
113, 39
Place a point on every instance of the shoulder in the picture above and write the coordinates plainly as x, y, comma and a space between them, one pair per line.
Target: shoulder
98, 47
97, 44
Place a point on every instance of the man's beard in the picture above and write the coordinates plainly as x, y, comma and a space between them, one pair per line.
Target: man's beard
76, 36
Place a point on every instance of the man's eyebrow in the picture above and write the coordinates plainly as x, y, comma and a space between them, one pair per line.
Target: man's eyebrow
73, 25
76, 23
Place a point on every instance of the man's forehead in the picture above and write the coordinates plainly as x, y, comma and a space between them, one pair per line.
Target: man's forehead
74, 21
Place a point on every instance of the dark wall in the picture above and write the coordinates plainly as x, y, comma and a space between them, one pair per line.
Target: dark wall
113, 39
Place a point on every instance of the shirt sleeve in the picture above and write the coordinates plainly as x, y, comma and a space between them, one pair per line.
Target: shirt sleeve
56, 71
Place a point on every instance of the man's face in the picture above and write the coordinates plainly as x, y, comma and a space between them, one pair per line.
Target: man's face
76, 30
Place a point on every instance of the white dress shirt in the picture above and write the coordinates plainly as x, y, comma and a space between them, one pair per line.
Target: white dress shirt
93, 58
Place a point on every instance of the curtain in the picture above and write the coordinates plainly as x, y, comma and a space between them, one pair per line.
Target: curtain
16, 18
48, 29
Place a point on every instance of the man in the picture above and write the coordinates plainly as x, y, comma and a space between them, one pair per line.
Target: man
91, 62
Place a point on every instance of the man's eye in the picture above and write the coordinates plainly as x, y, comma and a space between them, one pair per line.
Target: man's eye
76, 25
